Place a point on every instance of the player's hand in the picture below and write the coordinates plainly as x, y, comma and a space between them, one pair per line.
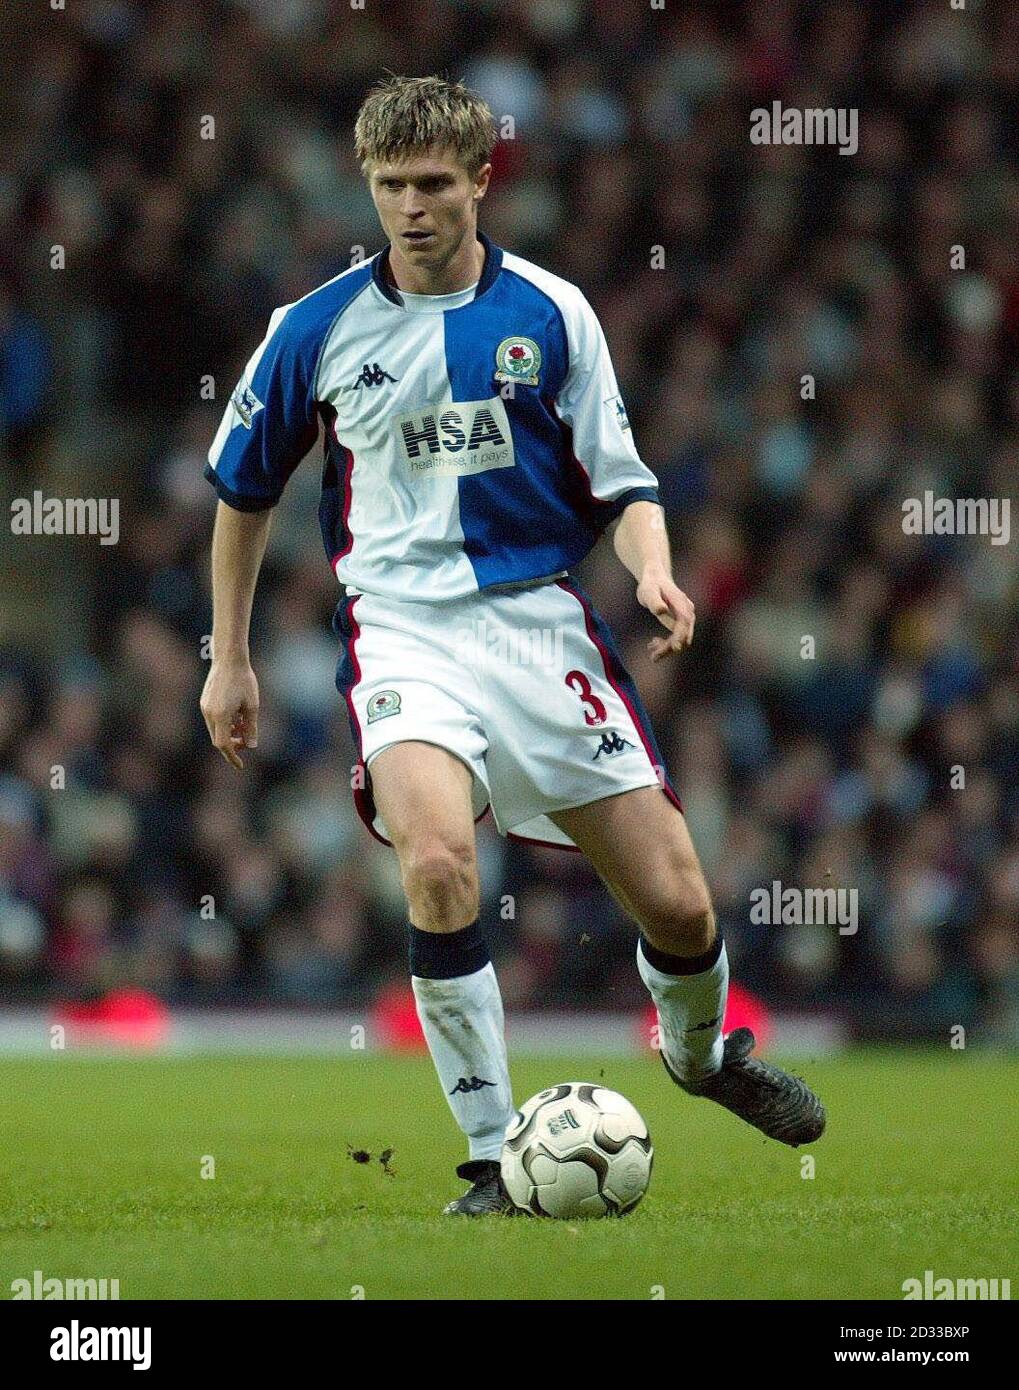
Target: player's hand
660, 596
230, 708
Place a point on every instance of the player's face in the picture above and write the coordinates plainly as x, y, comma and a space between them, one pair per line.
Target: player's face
428, 206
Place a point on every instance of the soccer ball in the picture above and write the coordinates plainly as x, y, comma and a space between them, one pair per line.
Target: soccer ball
574, 1150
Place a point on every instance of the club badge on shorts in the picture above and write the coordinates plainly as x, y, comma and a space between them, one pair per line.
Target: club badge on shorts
519, 360
382, 705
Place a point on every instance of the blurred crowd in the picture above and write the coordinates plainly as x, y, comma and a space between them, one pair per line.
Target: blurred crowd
802, 353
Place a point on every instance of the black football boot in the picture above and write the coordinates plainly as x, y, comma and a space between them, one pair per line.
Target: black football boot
781, 1106
486, 1196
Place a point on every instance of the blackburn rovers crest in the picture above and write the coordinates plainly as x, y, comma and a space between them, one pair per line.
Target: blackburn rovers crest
519, 360
382, 705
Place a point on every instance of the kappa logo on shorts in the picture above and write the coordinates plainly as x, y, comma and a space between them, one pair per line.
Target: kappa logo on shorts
612, 743
382, 705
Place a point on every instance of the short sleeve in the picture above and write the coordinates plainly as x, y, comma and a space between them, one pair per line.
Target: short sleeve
590, 404
270, 422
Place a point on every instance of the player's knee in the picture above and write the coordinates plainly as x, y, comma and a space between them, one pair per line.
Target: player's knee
440, 878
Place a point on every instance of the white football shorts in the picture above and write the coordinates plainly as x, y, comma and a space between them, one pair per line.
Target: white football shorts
524, 685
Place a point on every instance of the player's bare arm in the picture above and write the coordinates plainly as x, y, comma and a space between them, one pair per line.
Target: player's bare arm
642, 544
230, 698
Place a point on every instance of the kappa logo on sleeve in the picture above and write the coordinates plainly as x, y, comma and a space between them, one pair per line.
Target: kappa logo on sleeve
246, 403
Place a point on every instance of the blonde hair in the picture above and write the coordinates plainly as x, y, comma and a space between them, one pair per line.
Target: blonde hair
404, 115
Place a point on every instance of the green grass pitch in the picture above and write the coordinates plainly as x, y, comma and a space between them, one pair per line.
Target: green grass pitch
102, 1163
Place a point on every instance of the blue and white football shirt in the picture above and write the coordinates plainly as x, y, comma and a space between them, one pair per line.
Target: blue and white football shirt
482, 444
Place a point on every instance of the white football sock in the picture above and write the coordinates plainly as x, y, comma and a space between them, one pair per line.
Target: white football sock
463, 1024
690, 1011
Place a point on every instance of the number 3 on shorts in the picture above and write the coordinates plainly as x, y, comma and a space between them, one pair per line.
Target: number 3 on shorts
577, 681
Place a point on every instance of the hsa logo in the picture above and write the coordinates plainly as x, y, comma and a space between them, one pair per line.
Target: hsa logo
456, 440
